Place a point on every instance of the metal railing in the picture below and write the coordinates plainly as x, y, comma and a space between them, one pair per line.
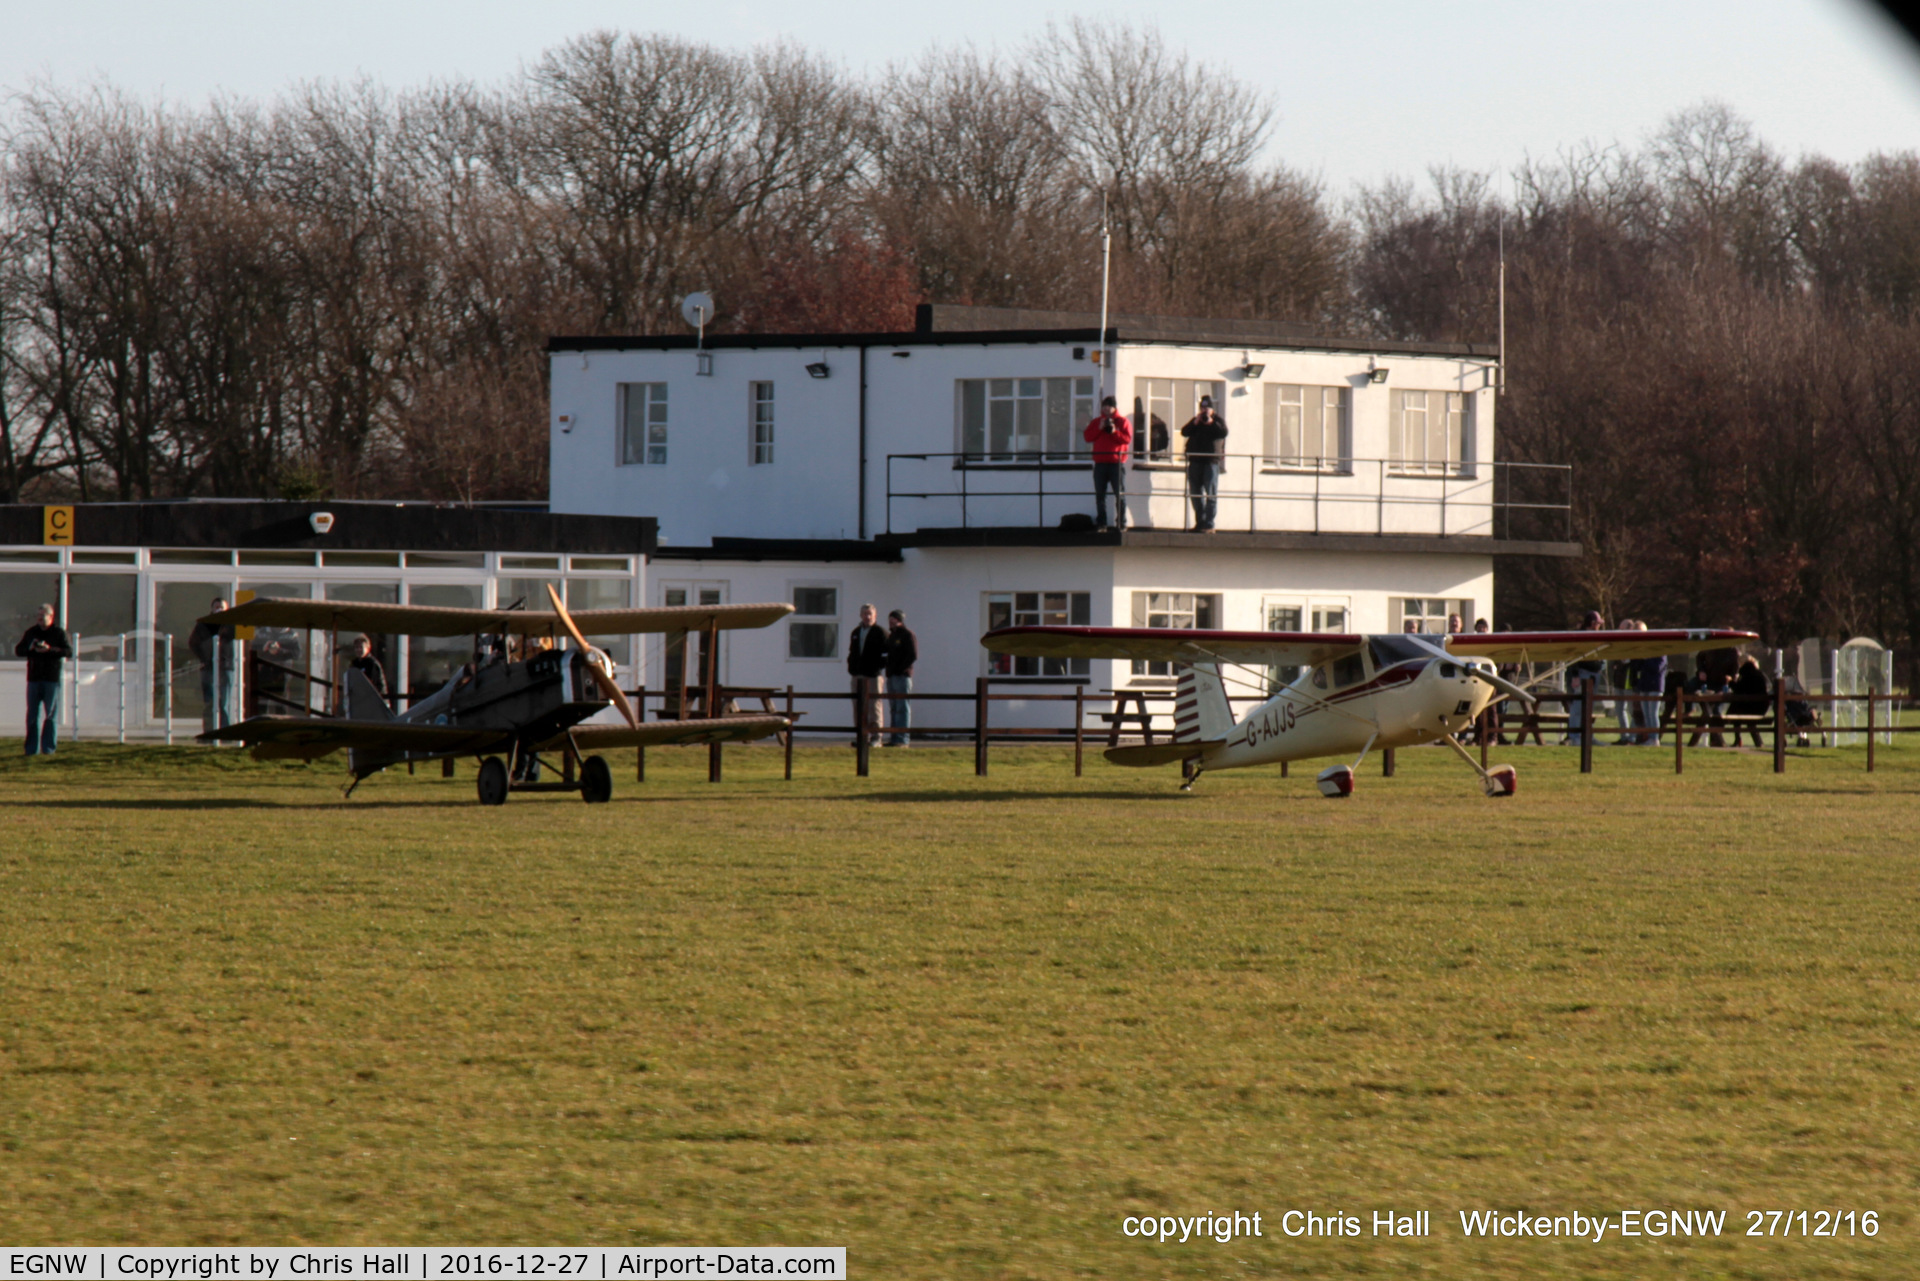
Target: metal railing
1257, 492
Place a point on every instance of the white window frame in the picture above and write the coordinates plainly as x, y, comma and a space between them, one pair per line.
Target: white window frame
1179, 398
1043, 416
760, 423
1296, 417
1430, 437
650, 449
1071, 609
1425, 615
794, 587
1187, 605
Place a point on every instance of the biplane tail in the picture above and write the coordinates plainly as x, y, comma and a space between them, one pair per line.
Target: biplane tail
363, 700
1201, 712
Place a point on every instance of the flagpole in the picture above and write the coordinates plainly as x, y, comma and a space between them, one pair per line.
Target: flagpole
1106, 275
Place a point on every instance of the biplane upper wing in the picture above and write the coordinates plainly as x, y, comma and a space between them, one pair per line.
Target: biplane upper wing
1173, 645
311, 737
433, 620
717, 729
1573, 647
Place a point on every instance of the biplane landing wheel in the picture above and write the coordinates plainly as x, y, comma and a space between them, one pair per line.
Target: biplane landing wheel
493, 781
596, 781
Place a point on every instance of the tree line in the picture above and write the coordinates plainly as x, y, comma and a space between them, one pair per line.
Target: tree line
347, 291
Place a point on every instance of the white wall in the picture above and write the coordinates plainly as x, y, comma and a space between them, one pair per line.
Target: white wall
710, 487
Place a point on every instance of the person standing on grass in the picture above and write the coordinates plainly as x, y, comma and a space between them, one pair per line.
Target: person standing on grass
1206, 434
903, 651
44, 646
1576, 672
1111, 436
867, 657
1648, 678
213, 646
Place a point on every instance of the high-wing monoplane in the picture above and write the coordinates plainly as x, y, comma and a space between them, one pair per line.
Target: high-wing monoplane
497, 705
1353, 692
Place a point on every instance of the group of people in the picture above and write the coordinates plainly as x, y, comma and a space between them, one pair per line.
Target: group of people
1111, 435
885, 656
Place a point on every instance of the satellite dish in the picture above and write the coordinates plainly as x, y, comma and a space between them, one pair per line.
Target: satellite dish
697, 309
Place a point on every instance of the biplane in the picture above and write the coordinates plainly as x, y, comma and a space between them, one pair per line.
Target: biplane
1352, 694
497, 705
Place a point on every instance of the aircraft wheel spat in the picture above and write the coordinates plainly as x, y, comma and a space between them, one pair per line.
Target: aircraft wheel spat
1336, 781
596, 781
493, 781
1502, 780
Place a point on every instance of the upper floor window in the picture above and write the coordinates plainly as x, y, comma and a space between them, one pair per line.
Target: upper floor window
762, 400
1173, 609
1037, 609
1308, 427
1024, 419
1162, 406
643, 422
1428, 432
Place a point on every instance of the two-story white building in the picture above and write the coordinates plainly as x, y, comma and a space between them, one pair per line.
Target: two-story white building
943, 472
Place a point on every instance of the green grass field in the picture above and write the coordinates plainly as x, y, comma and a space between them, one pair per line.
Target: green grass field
965, 1026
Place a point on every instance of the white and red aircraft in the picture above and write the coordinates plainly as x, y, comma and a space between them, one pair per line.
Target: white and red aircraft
1354, 692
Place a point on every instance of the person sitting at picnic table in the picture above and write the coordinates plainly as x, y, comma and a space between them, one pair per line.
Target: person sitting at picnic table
1751, 697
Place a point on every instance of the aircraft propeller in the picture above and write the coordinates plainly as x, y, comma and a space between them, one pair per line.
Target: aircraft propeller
598, 662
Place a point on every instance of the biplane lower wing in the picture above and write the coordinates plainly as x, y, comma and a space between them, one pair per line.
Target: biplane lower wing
718, 729
308, 738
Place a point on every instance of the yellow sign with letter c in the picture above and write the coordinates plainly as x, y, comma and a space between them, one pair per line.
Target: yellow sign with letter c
57, 526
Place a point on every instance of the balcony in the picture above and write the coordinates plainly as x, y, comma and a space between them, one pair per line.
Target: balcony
1479, 506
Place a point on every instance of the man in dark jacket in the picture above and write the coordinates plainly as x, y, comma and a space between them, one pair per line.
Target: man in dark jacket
44, 646
213, 646
903, 650
1206, 434
867, 656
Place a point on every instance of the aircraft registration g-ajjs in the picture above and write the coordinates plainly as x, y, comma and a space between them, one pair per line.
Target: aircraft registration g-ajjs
1354, 693
494, 705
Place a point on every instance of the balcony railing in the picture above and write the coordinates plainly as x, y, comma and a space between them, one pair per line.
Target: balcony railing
1257, 493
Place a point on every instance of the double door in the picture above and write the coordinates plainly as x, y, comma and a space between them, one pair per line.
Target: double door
675, 594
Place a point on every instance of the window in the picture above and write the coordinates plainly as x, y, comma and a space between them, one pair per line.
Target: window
1308, 427
762, 395
1005, 419
1428, 433
814, 629
1037, 609
1172, 609
643, 423
1162, 406
1288, 616
1429, 614
1282, 618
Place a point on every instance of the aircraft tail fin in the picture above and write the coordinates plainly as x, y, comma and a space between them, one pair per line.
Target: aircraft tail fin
1201, 712
363, 700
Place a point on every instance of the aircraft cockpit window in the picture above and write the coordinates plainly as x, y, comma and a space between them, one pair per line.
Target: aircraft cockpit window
1388, 650
1348, 671
1320, 678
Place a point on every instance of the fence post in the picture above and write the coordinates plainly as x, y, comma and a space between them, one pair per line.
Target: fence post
1779, 725
1386, 762
1079, 727
862, 709
446, 767
1869, 729
980, 726
73, 676
1586, 724
123, 685
1680, 730
168, 702
787, 738
1480, 732
714, 758
640, 753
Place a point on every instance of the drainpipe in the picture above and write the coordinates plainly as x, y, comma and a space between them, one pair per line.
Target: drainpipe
863, 443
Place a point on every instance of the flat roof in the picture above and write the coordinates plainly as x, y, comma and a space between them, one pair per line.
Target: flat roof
358, 525
941, 325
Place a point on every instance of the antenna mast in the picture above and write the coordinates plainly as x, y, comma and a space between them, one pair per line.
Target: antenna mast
1500, 386
1106, 274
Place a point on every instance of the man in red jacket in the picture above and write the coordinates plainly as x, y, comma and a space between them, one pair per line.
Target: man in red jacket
1111, 436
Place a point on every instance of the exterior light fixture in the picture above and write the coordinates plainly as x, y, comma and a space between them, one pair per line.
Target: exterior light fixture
818, 369
703, 364
1252, 370
1376, 374
322, 522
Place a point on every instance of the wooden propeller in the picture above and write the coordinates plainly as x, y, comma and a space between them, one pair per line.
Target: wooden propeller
597, 661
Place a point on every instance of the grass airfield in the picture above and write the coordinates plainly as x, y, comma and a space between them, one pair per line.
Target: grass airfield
965, 1026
